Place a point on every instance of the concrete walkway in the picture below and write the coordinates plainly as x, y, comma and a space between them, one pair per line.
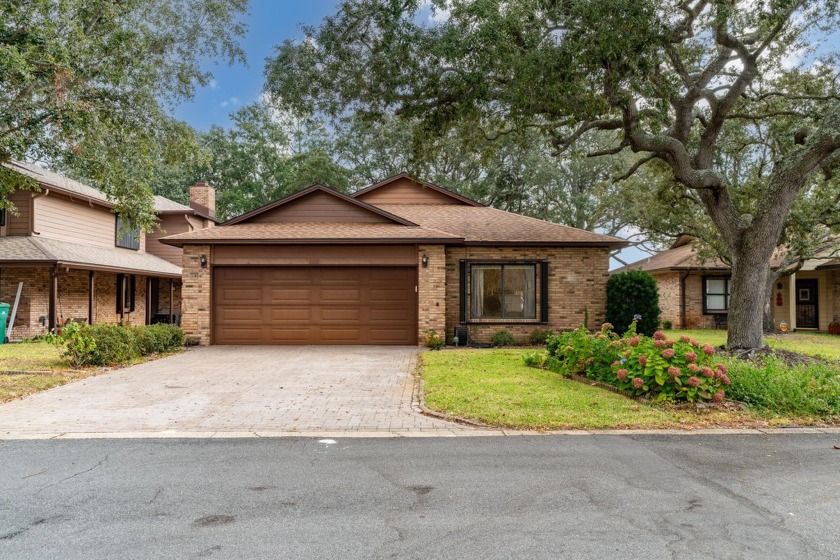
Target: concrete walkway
225, 391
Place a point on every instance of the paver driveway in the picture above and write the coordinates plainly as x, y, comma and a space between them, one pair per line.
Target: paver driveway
225, 390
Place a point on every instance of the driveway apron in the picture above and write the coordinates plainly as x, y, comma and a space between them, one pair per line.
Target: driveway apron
224, 390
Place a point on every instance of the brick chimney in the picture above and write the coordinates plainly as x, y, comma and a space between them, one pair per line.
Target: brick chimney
203, 199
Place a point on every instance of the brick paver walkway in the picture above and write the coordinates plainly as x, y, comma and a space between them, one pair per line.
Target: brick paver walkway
228, 390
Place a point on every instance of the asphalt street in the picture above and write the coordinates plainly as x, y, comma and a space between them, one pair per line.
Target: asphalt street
643, 496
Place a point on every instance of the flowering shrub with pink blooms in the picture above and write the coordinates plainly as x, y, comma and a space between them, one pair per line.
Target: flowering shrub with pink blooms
654, 367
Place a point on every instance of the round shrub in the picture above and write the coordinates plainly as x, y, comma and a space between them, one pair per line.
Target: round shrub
538, 337
503, 338
114, 345
633, 295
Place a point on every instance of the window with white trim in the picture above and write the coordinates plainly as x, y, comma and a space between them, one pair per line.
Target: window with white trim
716, 290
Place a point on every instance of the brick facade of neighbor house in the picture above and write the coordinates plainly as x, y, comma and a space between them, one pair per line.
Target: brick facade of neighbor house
577, 284
72, 302
196, 297
669, 297
33, 304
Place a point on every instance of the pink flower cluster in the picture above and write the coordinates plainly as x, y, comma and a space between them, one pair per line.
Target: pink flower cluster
621, 374
693, 381
659, 335
668, 353
690, 357
674, 371
633, 341
642, 361
708, 349
638, 383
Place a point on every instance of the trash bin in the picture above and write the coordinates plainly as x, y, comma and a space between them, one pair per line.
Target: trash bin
4, 318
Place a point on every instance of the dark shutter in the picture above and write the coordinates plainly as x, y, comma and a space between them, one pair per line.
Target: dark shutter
120, 293
462, 288
544, 292
132, 290
2, 217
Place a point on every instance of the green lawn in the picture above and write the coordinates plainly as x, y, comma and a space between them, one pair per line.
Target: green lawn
31, 356
813, 344
495, 387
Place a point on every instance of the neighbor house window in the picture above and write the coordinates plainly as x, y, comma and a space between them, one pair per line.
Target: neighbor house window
715, 294
503, 291
127, 234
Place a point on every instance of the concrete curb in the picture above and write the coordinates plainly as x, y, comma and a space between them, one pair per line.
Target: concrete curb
172, 434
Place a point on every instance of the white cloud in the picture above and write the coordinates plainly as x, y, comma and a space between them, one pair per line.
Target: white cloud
213, 84
437, 14
230, 102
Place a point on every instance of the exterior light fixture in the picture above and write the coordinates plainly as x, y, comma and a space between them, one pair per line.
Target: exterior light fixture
202, 260
424, 260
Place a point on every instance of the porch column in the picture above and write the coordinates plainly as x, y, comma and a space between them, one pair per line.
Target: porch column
53, 298
171, 300
148, 300
792, 301
91, 296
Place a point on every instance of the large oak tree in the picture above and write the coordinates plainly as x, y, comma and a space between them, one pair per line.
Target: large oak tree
669, 76
90, 80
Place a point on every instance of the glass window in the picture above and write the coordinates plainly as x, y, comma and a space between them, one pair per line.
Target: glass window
127, 234
503, 291
716, 294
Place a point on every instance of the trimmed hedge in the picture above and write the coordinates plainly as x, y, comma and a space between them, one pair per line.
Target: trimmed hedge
633, 296
108, 345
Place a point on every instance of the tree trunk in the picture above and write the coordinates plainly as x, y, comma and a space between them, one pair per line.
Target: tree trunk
750, 271
769, 325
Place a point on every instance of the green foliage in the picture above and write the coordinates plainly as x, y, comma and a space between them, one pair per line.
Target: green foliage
633, 296
538, 337
535, 359
657, 368
159, 338
108, 345
79, 345
90, 80
433, 340
503, 338
775, 387
582, 353
667, 325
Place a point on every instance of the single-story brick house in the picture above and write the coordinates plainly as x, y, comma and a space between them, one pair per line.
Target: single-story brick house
695, 294
383, 266
74, 255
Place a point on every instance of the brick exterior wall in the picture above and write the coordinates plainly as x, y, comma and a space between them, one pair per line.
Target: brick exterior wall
72, 302
203, 198
432, 295
668, 284
577, 280
196, 297
33, 300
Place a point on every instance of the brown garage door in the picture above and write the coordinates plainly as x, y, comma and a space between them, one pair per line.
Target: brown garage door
314, 305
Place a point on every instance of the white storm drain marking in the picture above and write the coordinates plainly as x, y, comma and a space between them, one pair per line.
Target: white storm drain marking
327, 441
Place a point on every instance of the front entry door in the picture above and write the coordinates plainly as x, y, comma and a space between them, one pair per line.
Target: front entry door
807, 308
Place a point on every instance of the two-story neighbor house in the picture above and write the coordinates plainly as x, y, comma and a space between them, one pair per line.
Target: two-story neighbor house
78, 261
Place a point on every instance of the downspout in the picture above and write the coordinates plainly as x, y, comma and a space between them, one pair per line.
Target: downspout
683, 278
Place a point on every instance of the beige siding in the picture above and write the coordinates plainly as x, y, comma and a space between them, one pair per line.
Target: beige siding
405, 191
21, 223
319, 207
169, 224
59, 217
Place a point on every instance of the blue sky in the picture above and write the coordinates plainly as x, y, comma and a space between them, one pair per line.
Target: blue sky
270, 22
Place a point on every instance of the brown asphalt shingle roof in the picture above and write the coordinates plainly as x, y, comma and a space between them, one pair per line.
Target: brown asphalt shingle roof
310, 232
72, 187
23, 249
679, 258
483, 224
